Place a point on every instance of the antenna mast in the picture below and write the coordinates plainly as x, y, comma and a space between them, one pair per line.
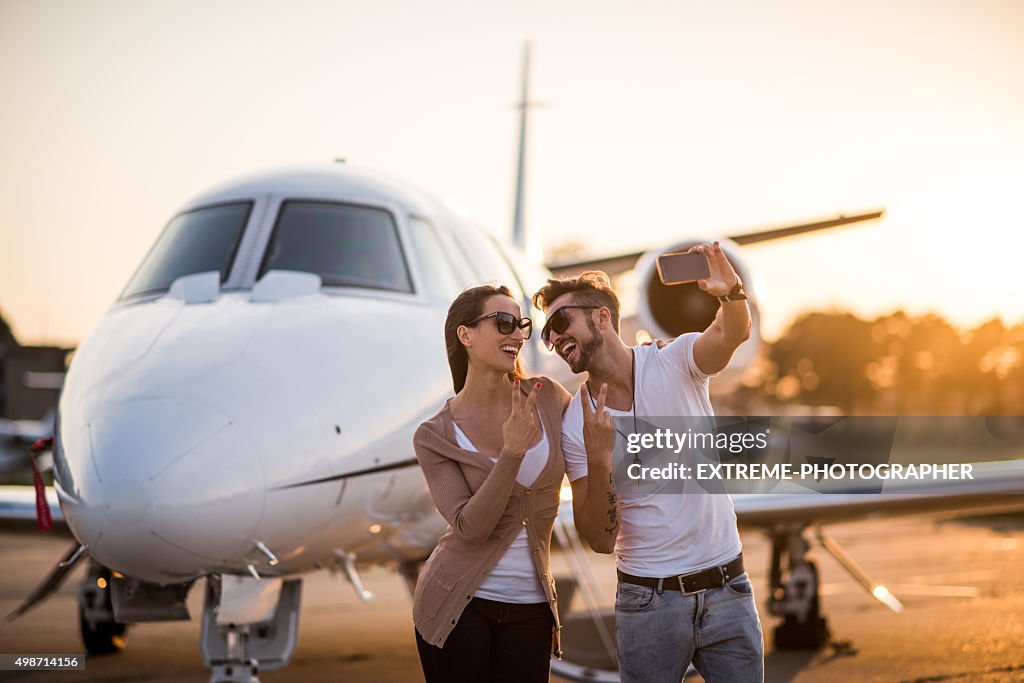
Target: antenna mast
518, 228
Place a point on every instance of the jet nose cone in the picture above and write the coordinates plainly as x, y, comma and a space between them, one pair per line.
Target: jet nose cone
173, 487
126, 502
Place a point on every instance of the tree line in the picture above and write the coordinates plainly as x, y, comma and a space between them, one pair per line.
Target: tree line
895, 364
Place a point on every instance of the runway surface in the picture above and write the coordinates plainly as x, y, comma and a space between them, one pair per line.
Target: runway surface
961, 582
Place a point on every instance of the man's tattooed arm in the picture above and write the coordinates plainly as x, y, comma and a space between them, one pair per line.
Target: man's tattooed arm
613, 509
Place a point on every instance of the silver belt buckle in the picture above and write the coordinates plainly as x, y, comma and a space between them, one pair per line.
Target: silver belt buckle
682, 585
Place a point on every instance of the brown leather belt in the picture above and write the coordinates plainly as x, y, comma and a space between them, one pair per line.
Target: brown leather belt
694, 582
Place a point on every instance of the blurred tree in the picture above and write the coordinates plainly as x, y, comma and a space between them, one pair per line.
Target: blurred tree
6, 334
7, 343
895, 364
979, 368
823, 359
925, 369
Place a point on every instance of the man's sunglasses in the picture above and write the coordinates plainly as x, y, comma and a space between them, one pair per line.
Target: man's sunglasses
558, 322
507, 323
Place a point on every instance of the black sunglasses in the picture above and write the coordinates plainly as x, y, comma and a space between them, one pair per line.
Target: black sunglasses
558, 322
507, 323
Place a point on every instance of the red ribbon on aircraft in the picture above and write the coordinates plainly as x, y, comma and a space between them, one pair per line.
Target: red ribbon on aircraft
42, 507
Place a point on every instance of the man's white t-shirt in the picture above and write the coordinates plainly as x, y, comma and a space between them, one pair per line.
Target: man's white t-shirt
662, 534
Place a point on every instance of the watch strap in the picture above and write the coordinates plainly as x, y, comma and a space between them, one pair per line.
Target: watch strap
735, 294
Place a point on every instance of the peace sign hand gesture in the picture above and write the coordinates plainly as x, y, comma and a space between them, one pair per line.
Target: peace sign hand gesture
598, 429
521, 428
723, 276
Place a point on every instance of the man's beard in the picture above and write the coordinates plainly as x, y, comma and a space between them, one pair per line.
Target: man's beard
586, 350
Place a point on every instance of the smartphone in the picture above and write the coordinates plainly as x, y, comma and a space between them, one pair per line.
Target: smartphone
675, 269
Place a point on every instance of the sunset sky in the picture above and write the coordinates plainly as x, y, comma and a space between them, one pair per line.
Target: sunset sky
661, 120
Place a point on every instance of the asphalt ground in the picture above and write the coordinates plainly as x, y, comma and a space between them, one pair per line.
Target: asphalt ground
961, 583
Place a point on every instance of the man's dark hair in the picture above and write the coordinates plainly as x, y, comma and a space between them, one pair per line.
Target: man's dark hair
592, 288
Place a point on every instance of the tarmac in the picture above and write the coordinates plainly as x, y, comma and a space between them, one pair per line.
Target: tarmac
960, 582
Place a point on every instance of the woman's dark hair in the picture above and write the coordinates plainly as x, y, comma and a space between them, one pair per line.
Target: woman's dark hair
467, 306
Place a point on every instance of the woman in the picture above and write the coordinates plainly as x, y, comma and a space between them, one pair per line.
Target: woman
484, 606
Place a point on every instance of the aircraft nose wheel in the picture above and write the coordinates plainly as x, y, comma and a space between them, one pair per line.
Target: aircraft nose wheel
794, 594
101, 634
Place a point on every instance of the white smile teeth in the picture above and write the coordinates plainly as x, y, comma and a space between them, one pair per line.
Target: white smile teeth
510, 349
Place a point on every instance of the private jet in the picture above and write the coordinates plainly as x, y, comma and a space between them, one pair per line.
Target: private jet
244, 414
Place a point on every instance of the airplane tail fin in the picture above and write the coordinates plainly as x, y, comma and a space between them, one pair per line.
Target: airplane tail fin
528, 242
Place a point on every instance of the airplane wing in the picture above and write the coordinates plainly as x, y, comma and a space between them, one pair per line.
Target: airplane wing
18, 515
18, 511
619, 263
18, 503
996, 486
25, 430
16, 436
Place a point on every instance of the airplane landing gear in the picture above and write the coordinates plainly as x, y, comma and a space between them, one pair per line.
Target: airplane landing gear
794, 596
101, 634
235, 652
236, 666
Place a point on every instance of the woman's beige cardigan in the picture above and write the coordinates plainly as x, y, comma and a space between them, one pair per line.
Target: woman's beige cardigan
486, 509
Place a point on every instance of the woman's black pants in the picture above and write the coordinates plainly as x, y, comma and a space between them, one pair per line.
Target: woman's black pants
492, 642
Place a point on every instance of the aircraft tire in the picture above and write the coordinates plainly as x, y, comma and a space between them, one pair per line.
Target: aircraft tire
101, 635
105, 639
804, 635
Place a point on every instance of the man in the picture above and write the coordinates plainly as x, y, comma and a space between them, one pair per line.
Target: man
683, 594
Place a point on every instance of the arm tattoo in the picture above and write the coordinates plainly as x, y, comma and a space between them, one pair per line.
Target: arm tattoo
613, 509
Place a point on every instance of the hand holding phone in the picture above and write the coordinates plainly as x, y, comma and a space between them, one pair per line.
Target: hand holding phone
675, 269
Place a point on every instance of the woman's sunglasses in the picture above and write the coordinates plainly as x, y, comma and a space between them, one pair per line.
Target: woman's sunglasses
507, 323
558, 323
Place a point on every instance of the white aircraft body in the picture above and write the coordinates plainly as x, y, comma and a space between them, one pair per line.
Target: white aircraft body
244, 412
246, 407
269, 405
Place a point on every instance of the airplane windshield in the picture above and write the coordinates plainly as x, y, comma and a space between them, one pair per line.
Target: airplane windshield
195, 242
347, 246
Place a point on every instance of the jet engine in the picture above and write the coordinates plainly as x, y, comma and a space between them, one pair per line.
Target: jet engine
667, 311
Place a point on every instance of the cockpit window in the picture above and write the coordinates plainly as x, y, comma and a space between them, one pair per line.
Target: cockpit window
194, 242
347, 246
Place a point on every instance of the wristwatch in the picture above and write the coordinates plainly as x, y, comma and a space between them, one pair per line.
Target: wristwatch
735, 294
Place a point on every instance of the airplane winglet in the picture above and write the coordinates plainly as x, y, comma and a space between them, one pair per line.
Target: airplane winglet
790, 230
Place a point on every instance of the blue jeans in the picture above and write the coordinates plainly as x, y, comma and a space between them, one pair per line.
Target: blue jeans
659, 634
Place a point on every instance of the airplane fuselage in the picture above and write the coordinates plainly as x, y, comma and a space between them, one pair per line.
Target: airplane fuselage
259, 409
